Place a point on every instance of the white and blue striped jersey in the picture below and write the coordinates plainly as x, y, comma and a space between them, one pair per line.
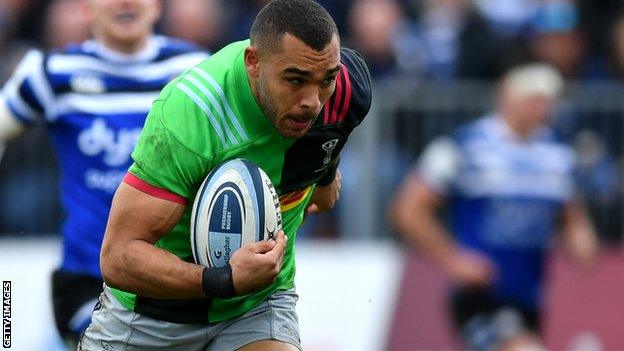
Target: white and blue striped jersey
505, 195
94, 102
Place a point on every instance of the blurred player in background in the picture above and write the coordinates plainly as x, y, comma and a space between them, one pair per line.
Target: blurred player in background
509, 185
287, 100
93, 99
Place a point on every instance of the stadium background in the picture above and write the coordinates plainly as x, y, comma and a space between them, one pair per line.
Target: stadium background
434, 63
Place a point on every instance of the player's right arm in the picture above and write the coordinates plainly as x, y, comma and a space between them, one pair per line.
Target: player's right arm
10, 127
25, 97
131, 262
414, 213
173, 156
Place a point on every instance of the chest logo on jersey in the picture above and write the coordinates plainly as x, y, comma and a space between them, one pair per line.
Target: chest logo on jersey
116, 145
329, 146
87, 84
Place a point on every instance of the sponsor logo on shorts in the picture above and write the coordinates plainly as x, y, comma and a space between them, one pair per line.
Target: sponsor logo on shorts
106, 346
286, 329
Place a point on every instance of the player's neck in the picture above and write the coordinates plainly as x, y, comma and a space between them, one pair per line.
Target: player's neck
519, 128
253, 86
125, 48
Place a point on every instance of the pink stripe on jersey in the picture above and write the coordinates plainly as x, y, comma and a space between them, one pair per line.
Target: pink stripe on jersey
347, 98
154, 191
337, 101
326, 109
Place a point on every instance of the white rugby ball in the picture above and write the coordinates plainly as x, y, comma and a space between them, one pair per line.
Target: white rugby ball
235, 205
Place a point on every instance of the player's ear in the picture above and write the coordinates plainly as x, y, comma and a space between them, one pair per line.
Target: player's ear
252, 61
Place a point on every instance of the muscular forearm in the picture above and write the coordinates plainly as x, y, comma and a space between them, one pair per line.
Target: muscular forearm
142, 268
129, 258
576, 222
580, 239
425, 232
418, 222
414, 214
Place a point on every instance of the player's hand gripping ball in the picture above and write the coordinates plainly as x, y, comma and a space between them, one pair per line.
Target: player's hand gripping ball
235, 205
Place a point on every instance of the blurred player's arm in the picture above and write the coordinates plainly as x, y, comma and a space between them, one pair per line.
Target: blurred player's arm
28, 93
10, 127
130, 261
414, 213
579, 237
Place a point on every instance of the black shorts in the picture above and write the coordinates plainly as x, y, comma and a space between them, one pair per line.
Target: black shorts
482, 322
72, 294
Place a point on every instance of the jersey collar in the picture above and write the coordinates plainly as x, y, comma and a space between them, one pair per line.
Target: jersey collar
498, 128
148, 53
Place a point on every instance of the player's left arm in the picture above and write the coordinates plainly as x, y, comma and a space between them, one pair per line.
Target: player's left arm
357, 101
325, 197
579, 237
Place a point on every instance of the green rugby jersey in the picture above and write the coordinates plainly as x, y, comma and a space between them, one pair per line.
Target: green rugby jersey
208, 115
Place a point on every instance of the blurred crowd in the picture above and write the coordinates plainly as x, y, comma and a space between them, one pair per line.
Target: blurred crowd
439, 41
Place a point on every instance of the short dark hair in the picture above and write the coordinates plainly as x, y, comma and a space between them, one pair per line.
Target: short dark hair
305, 19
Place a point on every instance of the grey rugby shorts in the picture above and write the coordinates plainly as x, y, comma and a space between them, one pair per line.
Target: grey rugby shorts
115, 328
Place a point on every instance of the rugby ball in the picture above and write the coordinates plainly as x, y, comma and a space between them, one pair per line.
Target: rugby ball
235, 205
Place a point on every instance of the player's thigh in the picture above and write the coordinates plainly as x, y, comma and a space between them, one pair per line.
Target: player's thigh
273, 345
465, 304
271, 325
484, 324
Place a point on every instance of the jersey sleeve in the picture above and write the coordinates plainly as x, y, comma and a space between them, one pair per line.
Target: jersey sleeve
438, 165
27, 93
351, 100
358, 93
174, 151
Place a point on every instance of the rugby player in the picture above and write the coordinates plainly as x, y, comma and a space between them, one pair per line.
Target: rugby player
93, 98
508, 181
287, 99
